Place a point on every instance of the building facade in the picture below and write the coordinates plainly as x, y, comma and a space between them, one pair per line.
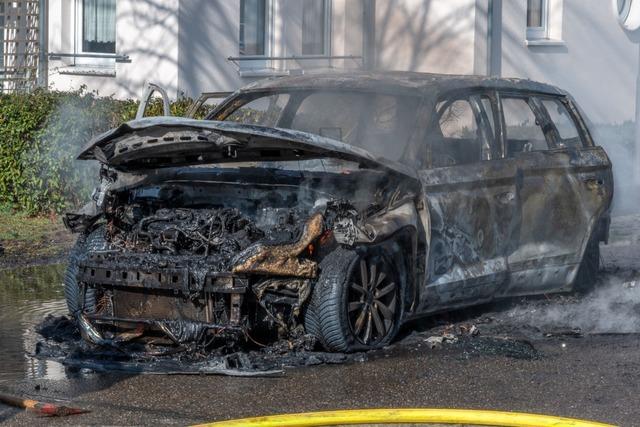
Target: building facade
194, 46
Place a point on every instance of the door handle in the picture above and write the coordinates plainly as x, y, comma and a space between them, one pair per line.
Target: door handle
593, 181
505, 197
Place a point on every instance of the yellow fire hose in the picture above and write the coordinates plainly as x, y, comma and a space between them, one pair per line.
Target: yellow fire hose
409, 416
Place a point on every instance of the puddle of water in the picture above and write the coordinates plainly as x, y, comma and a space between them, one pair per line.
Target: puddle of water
27, 295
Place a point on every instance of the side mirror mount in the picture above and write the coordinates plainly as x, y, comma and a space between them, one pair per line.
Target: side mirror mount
146, 97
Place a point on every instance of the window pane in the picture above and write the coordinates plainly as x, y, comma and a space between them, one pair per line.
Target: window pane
458, 121
331, 114
313, 27
456, 139
524, 133
264, 111
534, 13
380, 124
99, 26
567, 130
252, 27
1, 37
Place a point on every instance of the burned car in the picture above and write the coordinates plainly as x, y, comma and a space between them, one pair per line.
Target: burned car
337, 206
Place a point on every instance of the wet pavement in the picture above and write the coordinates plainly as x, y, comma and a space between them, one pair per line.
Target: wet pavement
566, 355
27, 295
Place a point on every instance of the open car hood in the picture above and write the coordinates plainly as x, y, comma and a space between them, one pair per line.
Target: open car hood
174, 141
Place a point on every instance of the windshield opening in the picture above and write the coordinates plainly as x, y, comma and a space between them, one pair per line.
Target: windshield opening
379, 123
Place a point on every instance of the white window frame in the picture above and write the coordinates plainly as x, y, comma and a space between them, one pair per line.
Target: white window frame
540, 33
328, 11
261, 65
108, 61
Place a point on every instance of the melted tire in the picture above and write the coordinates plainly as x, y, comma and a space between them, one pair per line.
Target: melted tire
93, 241
586, 278
327, 312
312, 323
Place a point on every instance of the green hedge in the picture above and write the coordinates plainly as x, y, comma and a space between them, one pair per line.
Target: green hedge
42, 132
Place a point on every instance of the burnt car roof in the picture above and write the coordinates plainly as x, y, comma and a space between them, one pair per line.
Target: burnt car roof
398, 81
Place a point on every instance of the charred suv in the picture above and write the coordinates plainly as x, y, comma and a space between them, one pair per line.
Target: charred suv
338, 206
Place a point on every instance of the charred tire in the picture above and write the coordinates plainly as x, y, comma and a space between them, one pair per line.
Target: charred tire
589, 267
93, 241
356, 301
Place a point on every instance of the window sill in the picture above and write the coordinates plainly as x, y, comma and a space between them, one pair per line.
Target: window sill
544, 42
263, 73
87, 70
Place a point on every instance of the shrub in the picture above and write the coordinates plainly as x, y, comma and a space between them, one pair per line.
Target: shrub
41, 134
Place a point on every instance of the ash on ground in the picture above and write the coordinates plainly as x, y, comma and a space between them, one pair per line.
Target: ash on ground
61, 342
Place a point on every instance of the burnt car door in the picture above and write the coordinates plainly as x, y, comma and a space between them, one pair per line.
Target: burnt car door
565, 187
472, 198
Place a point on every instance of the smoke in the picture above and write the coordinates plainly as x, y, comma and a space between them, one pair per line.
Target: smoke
77, 118
614, 307
619, 142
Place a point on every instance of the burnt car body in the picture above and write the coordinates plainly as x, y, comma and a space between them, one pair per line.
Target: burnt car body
337, 205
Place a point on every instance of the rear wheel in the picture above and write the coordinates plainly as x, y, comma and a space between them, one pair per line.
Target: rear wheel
356, 301
589, 267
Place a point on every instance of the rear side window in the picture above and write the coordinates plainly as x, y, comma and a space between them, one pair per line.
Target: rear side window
524, 132
567, 132
462, 132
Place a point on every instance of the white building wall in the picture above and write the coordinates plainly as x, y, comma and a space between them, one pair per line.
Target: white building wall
426, 35
209, 35
597, 63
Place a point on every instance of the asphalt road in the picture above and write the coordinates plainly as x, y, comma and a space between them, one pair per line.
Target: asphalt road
544, 366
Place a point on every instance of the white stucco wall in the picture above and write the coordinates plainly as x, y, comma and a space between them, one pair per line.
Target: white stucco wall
210, 34
598, 63
426, 35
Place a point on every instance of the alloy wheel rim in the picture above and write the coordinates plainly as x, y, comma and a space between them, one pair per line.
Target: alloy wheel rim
372, 301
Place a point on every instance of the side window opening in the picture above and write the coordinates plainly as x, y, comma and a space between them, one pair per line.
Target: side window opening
566, 131
462, 132
490, 149
524, 132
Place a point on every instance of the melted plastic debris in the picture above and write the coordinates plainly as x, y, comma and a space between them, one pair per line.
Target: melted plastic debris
61, 342
493, 346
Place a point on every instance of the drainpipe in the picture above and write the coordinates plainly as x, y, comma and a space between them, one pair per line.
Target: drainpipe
494, 37
43, 68
369, 36
636, 169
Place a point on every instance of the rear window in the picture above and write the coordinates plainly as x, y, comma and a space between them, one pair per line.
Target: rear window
567, 131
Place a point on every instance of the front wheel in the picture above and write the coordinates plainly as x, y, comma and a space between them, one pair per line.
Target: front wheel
76, 302
356, 303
